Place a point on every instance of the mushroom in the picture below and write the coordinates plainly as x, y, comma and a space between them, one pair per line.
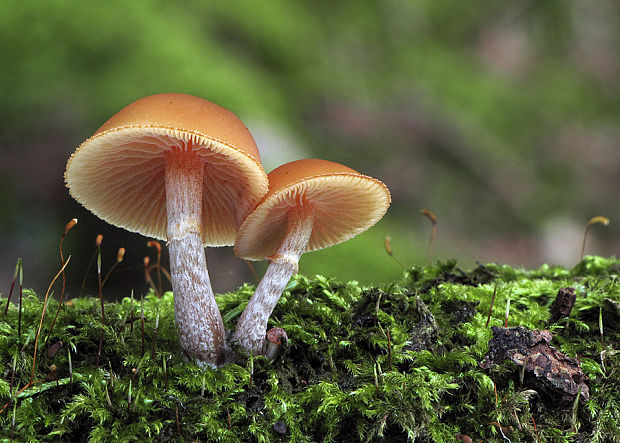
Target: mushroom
179, 168
276, 337
311, 204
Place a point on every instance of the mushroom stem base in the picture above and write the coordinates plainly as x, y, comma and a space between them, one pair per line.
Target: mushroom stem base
252, 325
199, 323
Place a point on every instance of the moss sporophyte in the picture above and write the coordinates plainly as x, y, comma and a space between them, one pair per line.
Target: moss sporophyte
333, 379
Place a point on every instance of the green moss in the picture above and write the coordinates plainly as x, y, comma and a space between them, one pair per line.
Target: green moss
398, 362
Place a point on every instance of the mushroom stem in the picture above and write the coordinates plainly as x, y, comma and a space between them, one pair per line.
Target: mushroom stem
199, 323
252, 325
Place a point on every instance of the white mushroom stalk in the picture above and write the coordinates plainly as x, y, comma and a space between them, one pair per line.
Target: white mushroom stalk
199, 323
252, 325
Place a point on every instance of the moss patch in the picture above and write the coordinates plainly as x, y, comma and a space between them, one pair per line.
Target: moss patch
398, 362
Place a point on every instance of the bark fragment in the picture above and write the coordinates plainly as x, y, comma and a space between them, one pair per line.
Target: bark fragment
555, 372
563, 304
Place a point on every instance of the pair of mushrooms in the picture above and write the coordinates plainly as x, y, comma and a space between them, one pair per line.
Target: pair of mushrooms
179, 168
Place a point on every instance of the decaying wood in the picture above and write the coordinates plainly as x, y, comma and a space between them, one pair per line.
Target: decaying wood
557, 372
563, 304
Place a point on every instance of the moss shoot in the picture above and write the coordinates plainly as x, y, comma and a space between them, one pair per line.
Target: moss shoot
400, 362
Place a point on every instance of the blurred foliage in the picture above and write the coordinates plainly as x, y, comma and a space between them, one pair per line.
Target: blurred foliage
499, 116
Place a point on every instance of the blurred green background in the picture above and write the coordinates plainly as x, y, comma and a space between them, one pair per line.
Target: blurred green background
503, 118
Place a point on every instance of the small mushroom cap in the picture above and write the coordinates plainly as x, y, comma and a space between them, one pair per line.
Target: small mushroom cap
276, 336
118, 173
345, 204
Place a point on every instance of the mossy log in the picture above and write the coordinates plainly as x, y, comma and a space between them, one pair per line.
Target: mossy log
401, 362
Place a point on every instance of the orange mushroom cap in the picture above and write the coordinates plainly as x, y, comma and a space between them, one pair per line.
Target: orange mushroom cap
345, 204
118, 173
